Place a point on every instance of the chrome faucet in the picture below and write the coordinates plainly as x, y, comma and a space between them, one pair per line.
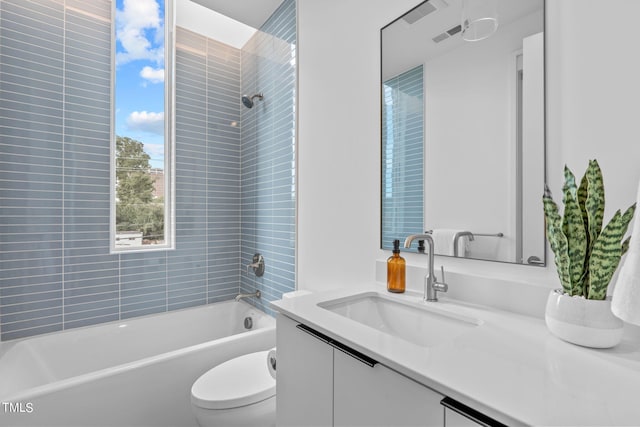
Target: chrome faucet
431, 284
256, 294
456, 242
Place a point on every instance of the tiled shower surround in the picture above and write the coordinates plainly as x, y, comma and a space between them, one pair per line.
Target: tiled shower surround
268, 156
56, 271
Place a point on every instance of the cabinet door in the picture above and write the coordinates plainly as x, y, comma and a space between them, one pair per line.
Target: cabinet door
304, 384
457, 414
454, 419
378, 396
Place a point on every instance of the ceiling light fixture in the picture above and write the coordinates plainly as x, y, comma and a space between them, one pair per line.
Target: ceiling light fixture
479, 19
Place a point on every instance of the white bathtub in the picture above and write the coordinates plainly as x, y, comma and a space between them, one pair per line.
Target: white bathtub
137, 372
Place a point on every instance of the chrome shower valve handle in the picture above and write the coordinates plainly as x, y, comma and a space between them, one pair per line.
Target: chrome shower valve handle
257, 265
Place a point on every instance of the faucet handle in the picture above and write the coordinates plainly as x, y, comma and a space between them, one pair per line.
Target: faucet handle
440, 286
257, 265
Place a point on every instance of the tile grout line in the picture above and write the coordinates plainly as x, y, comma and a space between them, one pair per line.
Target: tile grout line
64, 115
206, 175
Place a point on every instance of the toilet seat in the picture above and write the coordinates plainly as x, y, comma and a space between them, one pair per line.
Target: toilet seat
238, 382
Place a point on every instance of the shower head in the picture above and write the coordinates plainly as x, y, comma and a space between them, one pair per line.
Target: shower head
248, 100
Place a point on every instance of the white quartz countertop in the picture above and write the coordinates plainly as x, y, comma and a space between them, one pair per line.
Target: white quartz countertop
509, 367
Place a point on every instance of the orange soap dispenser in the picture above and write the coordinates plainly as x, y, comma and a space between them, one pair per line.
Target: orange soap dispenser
396, 266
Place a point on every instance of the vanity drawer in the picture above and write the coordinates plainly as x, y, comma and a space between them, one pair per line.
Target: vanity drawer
457, 414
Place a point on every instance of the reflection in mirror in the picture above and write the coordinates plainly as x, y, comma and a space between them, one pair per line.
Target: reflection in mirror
463, 132
402, 155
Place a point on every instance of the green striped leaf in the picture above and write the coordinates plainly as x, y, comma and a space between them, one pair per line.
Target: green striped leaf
628, 216
626, 220
582, 199
557, 240
605, 257
625, 245
594, 203
574, 231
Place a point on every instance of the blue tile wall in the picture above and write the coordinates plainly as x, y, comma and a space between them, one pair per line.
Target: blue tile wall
268, 156
91, 278
224, 169
205, 266
31, 165
56, 271
402, 157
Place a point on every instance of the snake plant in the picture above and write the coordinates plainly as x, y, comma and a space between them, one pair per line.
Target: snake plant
586, 255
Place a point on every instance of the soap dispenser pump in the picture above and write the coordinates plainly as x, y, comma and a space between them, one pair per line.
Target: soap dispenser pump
396, 266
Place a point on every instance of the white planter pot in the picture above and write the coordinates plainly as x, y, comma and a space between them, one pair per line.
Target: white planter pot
581, 321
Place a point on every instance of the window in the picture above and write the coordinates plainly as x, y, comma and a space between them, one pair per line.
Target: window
142, 140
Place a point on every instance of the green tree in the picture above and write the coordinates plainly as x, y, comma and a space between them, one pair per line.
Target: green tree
132, 172
136, 209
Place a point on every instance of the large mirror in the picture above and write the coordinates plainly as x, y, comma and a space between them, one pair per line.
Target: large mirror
463, 128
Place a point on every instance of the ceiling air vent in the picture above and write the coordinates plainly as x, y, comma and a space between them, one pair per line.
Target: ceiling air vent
450, 32
423, 10
440, 37
455, 30
419, 12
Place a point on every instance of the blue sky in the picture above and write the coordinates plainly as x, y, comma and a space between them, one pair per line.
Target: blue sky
139, 88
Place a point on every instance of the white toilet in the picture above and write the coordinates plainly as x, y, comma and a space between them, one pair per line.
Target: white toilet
238, 392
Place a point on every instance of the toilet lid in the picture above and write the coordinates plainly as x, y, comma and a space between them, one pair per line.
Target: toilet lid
237, 382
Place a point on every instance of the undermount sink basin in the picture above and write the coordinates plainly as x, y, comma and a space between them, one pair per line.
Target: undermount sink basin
413, 322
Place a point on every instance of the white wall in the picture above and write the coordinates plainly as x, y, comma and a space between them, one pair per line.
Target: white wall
339, 138
597, 76
593, 94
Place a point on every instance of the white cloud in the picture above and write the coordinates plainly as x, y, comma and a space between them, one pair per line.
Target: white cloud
153, 75
156, 151
133, 23
144, 121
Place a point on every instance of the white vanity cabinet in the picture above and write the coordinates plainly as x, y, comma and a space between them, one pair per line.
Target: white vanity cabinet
321, 382
366, 395
304, 377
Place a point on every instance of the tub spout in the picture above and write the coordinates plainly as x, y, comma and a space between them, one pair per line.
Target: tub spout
256, 294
